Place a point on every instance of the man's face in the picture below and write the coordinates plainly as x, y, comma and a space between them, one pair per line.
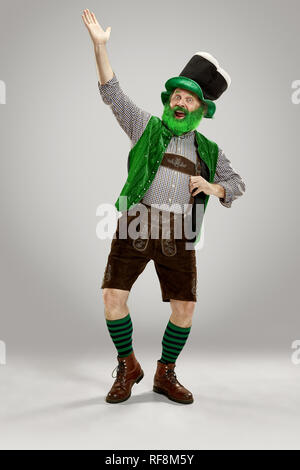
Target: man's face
183, 112
184, 99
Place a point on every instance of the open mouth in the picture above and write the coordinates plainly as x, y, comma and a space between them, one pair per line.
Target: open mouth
179, 114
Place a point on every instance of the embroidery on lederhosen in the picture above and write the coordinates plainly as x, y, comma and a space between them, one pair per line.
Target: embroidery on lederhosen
178, 163
168, 246
140, 243
107, 274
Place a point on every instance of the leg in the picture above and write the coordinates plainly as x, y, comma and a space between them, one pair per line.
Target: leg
175, 337
177, 330
119, 324
115, 303
177, 273
182, 312
125, 263
118, 319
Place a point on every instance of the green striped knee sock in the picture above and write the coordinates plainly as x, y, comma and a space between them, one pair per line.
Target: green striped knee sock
121, 333
173, 341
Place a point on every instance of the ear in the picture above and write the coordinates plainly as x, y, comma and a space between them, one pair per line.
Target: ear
205, 108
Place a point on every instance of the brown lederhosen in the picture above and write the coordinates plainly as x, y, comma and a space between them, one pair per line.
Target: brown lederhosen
175, 265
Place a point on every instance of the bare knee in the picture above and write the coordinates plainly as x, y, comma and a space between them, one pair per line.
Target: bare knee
115, 302
182, 312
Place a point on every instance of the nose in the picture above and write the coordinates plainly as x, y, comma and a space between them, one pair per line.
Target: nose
181, 104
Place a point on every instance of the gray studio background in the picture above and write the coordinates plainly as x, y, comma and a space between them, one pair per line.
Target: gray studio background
63, 154
58, 165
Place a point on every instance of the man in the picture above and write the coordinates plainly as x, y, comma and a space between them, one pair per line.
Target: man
173, 166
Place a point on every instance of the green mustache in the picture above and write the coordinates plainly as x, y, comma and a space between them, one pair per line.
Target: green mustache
182, 110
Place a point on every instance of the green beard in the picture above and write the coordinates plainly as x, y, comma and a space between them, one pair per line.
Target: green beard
180, 126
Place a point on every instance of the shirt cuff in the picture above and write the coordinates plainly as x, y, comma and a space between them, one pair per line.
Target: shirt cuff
112, 81
229, 196
107, 90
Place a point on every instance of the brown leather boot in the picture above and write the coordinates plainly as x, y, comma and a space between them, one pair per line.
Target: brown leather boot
166, 383
129, 372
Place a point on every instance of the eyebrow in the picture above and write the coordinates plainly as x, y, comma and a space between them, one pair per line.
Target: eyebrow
178, 92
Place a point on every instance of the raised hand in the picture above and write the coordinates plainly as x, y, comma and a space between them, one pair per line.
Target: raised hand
98, 35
